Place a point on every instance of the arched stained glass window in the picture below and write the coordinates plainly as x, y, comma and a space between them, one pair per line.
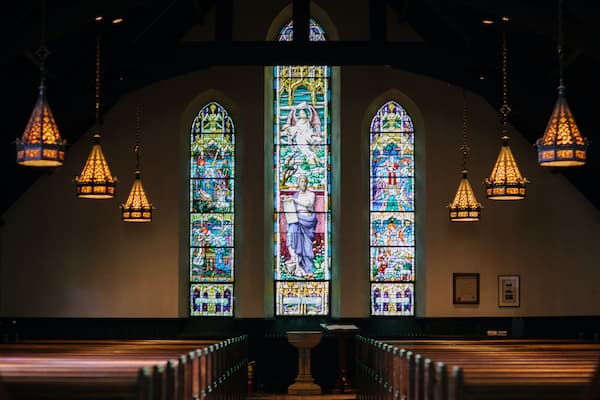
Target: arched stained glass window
212, 218
302, 176
392, 211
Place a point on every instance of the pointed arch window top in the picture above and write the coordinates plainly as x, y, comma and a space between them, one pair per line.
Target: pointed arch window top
212, 118
391, 117
317, 33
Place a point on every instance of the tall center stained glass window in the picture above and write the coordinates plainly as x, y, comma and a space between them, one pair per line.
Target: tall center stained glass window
392, 211
302, 176
212, 145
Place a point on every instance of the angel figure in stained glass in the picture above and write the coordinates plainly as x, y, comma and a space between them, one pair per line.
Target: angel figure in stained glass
304, 128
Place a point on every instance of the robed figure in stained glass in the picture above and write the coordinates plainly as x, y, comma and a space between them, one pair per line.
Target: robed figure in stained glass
301, 230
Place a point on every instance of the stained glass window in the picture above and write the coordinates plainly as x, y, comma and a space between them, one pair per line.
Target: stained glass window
212, 218
392, 211
302, 213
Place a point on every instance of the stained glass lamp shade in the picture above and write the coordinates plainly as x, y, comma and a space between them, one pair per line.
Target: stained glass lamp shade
96, 180
506, 181
465, 207
137, 208
41, 144
562, 144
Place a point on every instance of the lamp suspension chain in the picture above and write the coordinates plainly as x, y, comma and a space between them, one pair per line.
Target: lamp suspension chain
138, 134
42, 52
465, 148
505, 109
560, 49
97, 105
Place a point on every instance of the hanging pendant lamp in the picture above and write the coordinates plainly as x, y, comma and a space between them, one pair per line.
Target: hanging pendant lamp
96, 180
562, 144
465, 207
137, 208
505, 181
41, 144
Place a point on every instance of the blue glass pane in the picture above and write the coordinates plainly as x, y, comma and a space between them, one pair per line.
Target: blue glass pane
392, 299
211, 300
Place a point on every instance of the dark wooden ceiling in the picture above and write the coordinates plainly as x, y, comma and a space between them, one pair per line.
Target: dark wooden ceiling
457, 47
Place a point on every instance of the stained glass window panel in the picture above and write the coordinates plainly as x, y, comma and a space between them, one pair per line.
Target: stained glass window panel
211, 299
392, 194
302, 184
211, 264
302, 298
212, 156
392, 229
212, 195
391, 117
392, 264
392, 299
313, 257
212, 212
392, 211
212, 230
316, 33
390, 155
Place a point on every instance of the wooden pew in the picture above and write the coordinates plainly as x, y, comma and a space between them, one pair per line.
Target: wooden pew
558, 370
101, 363
486, 369
142, 370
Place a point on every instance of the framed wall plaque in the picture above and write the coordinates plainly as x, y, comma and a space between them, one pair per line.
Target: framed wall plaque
465, 288
509, 291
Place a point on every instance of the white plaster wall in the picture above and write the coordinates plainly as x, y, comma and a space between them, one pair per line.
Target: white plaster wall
66, 257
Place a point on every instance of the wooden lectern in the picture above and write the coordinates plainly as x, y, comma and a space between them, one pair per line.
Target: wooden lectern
342, 333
